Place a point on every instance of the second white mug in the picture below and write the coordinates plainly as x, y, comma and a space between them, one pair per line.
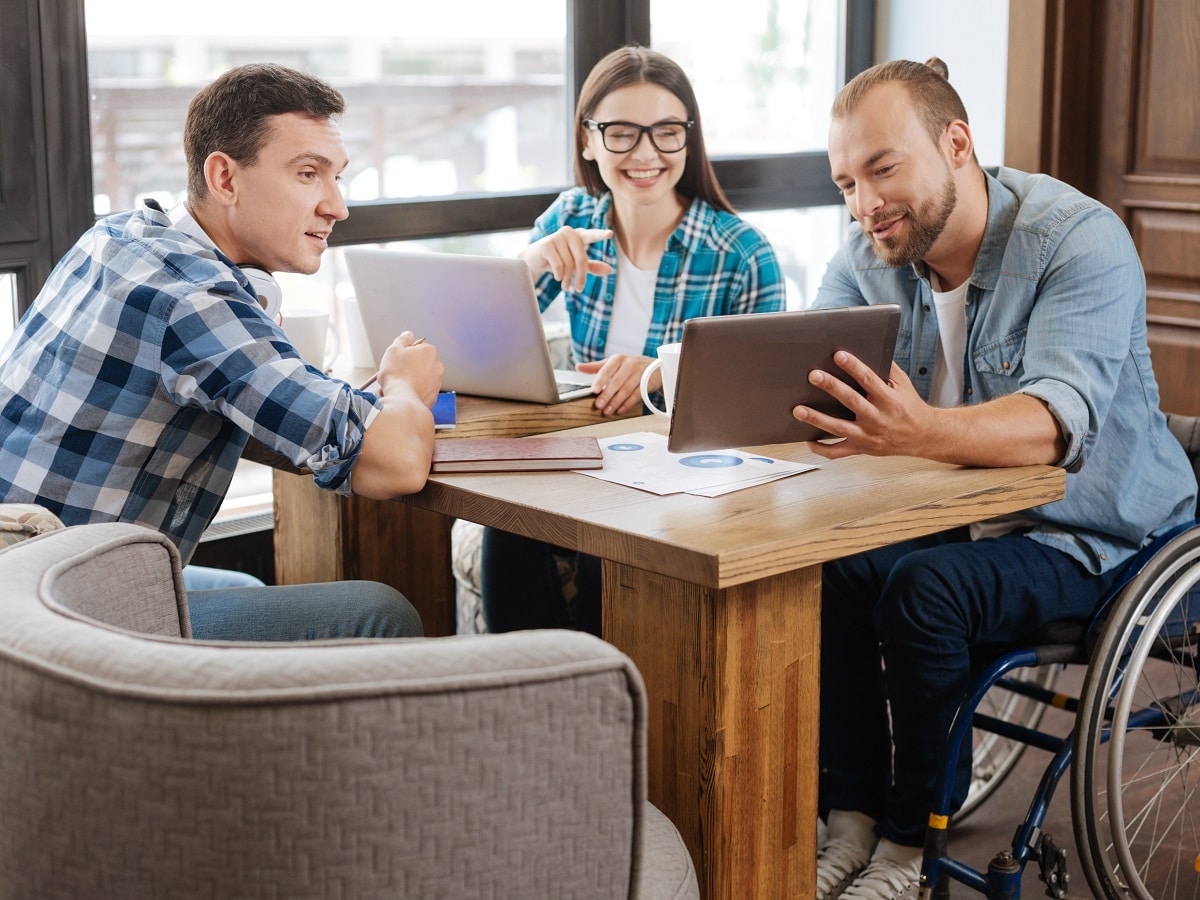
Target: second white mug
668, 364
311, 333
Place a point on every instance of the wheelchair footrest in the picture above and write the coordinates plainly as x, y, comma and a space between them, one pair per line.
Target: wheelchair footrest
1052, 860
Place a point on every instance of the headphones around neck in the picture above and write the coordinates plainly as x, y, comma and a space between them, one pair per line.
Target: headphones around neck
269, 293
266, 288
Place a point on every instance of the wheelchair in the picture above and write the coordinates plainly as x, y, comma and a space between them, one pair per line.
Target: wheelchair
1133, 754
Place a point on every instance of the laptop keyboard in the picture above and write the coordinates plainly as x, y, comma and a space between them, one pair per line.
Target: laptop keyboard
565, 386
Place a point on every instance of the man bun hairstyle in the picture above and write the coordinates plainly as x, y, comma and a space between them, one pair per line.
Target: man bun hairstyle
934, 99
232, 114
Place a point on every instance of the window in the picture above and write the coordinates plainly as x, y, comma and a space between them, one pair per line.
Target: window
464, 105
765, 79
456, 97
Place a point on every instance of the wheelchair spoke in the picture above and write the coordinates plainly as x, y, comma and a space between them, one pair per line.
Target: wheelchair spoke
1136, 772
1159, 832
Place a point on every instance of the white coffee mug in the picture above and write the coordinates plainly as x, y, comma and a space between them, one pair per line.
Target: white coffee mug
361, 356
668, 364
311, 333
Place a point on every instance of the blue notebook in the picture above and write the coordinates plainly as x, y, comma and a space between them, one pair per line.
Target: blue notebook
445, 411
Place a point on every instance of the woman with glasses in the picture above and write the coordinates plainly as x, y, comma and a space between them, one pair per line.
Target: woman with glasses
645, 242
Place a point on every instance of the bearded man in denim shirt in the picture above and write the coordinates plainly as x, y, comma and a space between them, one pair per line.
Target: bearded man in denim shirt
1022, 341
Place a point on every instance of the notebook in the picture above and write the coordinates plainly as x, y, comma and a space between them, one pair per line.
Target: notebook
523, 454
479, 311
740, 376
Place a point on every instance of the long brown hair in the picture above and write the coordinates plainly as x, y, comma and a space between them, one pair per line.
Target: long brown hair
630, 65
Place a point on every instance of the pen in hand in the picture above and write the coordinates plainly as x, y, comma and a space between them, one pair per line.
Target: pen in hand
374, 378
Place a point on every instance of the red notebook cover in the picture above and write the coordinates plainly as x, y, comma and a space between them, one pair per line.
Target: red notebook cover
540, 453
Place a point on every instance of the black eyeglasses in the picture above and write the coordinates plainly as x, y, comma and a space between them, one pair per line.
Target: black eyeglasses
621, 137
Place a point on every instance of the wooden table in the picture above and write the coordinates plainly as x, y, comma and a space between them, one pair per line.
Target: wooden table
717, 602
320, 536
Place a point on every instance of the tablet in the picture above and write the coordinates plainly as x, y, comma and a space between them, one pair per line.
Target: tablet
740, 376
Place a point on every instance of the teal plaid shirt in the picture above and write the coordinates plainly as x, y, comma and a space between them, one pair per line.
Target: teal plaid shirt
715, 264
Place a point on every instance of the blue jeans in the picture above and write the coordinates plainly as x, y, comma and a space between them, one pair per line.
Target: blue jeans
897, 627
302, 612
520, 589
205, 578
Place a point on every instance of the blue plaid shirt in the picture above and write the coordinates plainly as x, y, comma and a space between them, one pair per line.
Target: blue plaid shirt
129, 389
715, 264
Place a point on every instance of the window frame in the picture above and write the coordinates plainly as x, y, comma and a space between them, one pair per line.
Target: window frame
60, 164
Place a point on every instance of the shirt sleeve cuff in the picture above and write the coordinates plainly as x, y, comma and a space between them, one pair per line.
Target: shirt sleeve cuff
331, 470
1071, 411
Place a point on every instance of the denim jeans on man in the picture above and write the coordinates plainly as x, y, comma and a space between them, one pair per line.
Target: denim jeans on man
224, 604
926, 602
301, 612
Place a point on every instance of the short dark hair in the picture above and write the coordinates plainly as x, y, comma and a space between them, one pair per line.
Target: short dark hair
233, 114
935, 100
630, 65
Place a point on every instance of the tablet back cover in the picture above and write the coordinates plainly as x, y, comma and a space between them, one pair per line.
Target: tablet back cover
740, 376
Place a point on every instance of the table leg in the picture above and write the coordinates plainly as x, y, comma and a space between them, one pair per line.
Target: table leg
732, 680
321, 536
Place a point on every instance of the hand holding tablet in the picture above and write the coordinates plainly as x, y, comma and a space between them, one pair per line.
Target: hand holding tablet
740, 377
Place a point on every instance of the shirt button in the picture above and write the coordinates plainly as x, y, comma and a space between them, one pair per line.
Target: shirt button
925, 307
1104, 556
922, 370
1005, 364
970, 391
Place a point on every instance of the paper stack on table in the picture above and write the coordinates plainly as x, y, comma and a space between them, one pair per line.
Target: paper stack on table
640, 460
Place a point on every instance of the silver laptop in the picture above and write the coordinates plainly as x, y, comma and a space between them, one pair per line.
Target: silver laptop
479, 311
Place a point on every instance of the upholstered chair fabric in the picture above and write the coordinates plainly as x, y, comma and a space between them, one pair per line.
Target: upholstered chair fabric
137, 763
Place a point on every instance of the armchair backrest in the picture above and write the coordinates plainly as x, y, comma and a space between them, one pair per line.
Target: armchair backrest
142, 764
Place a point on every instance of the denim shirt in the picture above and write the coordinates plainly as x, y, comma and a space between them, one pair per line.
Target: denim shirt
1055, 308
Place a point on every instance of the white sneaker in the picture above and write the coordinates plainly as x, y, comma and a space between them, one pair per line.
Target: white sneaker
894, 873
844, 851
838, 863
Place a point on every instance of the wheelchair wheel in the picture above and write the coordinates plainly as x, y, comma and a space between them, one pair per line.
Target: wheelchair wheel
1135, 783
993, 756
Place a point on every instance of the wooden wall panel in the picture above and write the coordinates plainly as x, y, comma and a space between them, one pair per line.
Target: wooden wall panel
1175, 353
1132, 67
1169, 244
1167, 117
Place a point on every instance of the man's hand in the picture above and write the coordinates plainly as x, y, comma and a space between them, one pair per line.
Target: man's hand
891, 420
415, 364
398, 444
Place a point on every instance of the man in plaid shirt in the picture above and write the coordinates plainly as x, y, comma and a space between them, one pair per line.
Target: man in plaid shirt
132, 385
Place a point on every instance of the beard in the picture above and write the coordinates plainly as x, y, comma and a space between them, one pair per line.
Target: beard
925, 226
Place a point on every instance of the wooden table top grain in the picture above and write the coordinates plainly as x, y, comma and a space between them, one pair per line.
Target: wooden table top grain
843, 507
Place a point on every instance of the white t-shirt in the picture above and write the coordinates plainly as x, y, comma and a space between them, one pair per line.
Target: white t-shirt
633, 303
947, 387
951, 306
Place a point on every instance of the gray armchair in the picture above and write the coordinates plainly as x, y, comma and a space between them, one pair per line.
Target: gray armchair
137, 763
